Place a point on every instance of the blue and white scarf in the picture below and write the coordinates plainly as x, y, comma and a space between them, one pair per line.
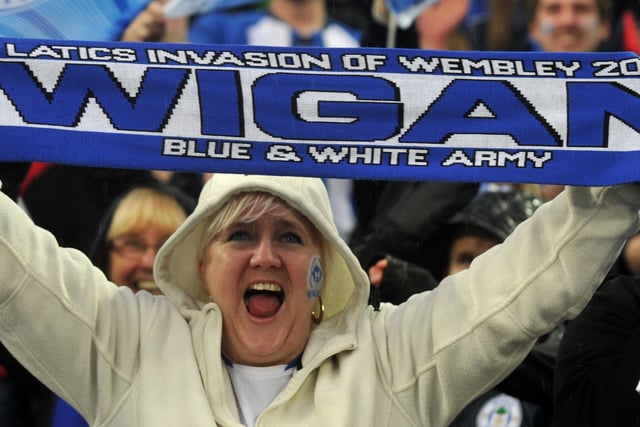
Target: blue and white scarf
327, 112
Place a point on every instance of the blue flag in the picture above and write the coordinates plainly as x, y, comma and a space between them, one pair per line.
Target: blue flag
68, 19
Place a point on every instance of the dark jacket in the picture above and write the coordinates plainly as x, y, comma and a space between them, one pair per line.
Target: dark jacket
69, 201
598, 362
408, 215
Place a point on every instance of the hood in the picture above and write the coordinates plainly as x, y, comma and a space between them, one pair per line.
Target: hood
176, 266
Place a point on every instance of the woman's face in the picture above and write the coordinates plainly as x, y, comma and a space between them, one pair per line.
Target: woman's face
258, 275
132, 255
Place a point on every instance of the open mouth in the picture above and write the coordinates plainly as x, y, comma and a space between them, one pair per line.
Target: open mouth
263, 300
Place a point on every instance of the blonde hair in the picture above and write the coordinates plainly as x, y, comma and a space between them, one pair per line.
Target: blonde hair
142, 207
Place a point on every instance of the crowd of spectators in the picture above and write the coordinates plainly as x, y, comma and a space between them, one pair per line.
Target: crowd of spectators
405, 234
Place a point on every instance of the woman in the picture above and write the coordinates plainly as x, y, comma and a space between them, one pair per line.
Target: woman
255, 289
125, 246
141, 219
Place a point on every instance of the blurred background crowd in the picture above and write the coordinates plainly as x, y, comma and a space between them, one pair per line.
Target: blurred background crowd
407, 235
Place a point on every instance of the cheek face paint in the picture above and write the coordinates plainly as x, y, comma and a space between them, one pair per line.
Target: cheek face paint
591, 25
314, 277
547, 27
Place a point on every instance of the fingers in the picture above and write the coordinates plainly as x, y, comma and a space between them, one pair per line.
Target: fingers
149, 25
176, 30
377, 271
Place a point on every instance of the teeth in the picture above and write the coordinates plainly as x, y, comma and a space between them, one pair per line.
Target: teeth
271, 287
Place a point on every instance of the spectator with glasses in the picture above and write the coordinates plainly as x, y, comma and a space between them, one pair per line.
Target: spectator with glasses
133, 230
125, 248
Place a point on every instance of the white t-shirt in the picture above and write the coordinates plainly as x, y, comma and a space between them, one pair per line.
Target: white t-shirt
256, 387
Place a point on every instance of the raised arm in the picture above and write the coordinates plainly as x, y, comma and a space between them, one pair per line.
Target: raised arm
478, 325
59, 316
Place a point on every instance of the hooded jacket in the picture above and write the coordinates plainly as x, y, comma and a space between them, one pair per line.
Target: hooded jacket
141, 360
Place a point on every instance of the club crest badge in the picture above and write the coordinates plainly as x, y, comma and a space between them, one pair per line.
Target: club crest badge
314, 280
500, 411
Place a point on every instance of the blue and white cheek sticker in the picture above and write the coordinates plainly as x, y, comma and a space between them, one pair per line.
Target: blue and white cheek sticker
314, 279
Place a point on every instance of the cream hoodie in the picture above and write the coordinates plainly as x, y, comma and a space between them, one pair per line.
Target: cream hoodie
140, 360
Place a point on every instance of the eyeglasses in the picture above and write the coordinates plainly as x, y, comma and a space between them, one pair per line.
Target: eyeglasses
130, 248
